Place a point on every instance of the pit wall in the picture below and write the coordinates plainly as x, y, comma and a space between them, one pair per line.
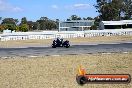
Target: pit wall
62, 34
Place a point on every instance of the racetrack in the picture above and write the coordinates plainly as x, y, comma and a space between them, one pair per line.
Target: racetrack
74, 49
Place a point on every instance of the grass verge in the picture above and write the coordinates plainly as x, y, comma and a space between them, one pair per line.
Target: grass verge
60, 71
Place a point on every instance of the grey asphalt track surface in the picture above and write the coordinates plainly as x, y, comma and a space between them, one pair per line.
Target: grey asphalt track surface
74, 49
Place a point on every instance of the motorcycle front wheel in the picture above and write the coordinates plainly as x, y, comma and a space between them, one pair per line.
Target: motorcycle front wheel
53, 46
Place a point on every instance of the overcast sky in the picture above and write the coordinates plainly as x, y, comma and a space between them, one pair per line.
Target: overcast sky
53, 9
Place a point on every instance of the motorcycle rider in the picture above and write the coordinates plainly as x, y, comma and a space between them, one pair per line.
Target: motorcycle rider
59, 40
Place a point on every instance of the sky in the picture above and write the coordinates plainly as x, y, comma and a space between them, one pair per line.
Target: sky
53, 9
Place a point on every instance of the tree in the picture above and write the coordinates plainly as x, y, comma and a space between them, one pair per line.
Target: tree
127, 9
0, 18
8, 21
12, 27
118, 6
2, 27
96, 21
44, 18
46, 24
23, 28
106, 11
57, 23
16, 21
36, 26
88, 18
74, 17
68, 19
30, 24
24, 20
93, 27
42, 25
17, 28
114, 9
51, 25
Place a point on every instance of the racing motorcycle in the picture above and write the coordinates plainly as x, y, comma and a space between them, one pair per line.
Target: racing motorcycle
60, 43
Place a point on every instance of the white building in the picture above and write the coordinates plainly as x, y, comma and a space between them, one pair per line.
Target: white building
6, 31
123, 24
75, 25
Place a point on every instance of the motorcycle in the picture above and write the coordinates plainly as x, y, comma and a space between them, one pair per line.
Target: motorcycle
60, 43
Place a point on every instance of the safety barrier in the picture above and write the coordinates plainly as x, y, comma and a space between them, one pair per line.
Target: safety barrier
62, 34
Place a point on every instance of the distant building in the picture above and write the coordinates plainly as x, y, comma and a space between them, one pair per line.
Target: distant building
123, 24
75, 25
6, 31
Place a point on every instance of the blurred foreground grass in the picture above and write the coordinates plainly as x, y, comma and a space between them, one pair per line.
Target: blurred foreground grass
60, 71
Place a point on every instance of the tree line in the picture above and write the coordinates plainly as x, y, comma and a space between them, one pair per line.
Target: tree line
44, 23
24, 25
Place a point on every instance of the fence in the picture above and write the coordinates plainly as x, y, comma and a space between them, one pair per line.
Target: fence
62, 34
